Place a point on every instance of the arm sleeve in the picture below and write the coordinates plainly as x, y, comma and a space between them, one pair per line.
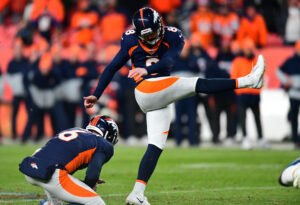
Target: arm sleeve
119, 60
168, 59
94, 169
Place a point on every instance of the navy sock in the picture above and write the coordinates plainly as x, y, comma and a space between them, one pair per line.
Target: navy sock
148, 162
214, 85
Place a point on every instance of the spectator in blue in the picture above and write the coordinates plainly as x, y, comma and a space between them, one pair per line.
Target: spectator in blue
204, 62
289, 76
186, 66
89, 77
41, 86
225, 101
16, 71
71, 85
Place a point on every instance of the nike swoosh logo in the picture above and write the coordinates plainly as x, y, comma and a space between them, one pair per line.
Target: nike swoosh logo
140, 200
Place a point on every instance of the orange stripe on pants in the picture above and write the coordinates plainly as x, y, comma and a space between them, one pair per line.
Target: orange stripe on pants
73, 188
148, 86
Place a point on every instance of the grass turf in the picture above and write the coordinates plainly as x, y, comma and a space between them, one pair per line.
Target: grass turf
182, 177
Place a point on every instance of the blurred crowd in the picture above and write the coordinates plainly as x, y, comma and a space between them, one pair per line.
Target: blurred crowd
61, 47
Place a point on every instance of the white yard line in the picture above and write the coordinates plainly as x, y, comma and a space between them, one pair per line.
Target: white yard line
228, 165
148, 193
18, 201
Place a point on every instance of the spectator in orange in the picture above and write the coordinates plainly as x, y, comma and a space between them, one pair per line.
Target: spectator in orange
3, 6
253, 26
247, 98
113, 23
14, 7
46, 14
226, 24
83, 21
202, 22
164, 6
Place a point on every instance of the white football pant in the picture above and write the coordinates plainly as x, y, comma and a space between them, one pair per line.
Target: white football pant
154, 97
64, 187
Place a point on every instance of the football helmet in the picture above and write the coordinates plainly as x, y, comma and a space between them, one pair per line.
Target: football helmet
148, 26
105, 127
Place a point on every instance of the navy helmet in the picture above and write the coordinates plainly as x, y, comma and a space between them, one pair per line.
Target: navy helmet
148, 26
105, 127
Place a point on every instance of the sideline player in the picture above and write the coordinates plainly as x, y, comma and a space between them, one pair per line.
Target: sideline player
52, 166
291, 175
153, 48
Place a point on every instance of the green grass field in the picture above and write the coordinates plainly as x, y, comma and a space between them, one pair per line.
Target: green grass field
183, 176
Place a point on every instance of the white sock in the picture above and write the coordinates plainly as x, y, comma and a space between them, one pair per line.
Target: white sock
139, 187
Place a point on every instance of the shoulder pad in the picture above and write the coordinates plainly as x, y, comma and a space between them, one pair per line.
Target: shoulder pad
173, 33
129, 38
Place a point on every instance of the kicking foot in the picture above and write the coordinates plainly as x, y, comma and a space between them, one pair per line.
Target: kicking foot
136, 199
256, 78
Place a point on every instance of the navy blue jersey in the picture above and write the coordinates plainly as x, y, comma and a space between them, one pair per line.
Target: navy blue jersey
158, 60
74, 148
71, 150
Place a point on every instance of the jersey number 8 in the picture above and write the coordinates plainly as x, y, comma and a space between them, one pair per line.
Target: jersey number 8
173, 29
129, 32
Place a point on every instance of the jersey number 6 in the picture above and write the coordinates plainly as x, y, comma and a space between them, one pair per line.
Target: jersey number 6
69, 135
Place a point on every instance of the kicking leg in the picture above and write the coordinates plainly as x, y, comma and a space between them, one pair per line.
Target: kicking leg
157, 136
156, 93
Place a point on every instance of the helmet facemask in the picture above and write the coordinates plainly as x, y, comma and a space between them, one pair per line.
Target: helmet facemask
148, 26
151, 38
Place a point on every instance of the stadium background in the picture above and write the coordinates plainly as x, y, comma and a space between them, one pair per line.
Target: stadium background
107, 20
